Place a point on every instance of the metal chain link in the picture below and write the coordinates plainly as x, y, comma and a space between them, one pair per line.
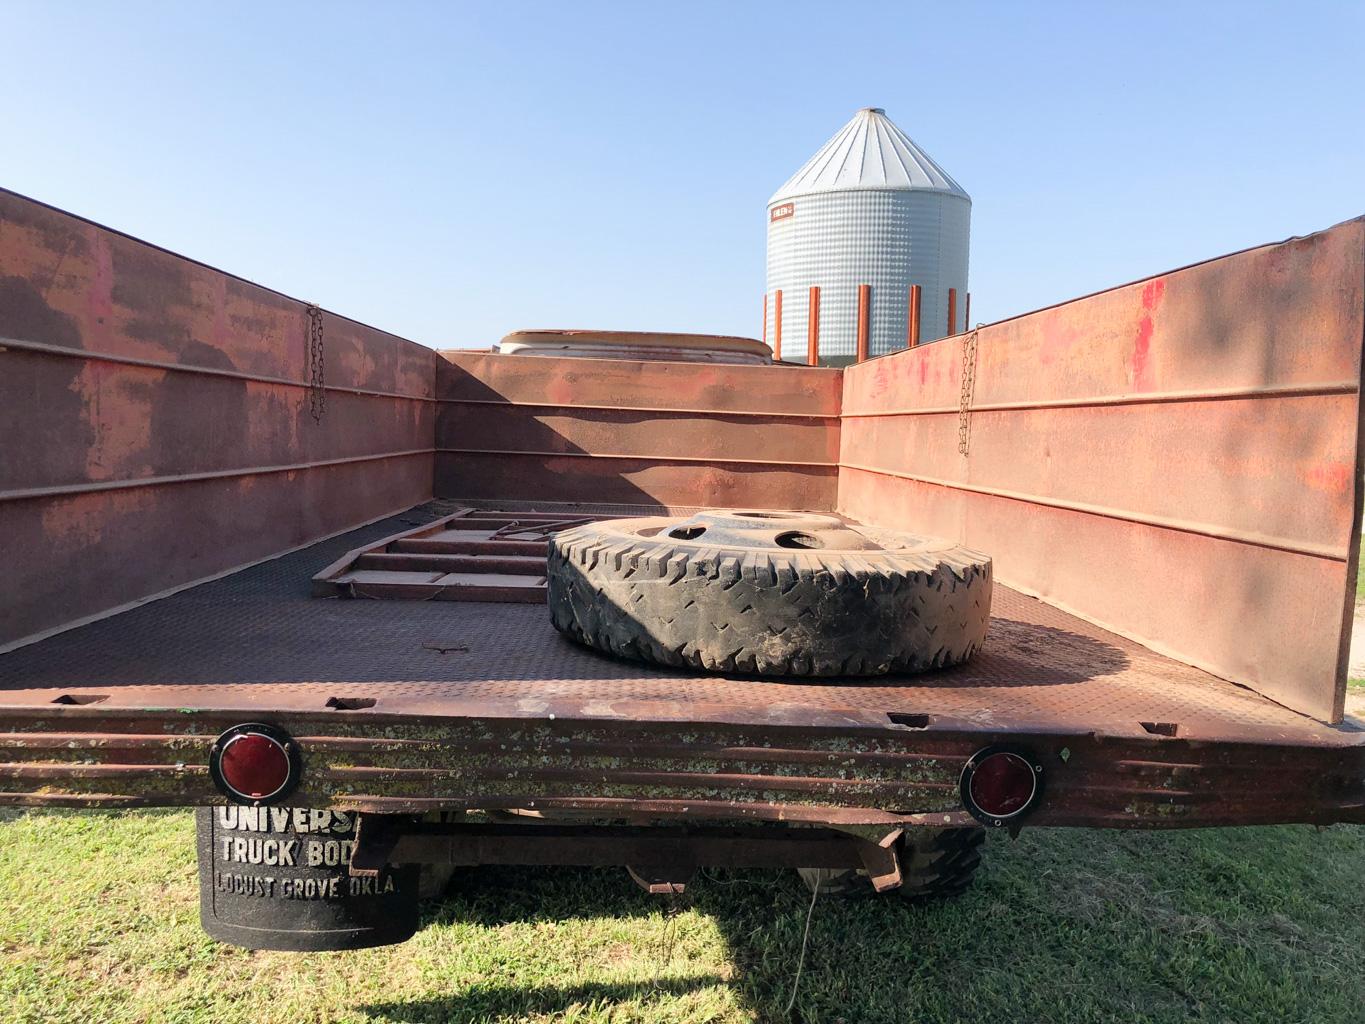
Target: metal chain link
964, 408
317, 394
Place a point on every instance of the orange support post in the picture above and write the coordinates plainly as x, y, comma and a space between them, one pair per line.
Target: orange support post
777, 325
912, 327
967, 313
813, 327
765, 318
952, 311
864, 319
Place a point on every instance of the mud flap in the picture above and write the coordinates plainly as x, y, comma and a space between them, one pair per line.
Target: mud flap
279, 878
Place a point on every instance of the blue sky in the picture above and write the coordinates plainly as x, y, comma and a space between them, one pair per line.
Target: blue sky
451, 172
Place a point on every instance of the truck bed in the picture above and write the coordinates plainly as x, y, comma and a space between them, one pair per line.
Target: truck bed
255, 641
170, 422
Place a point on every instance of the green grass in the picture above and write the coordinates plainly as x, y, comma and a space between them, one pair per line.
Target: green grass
99, 924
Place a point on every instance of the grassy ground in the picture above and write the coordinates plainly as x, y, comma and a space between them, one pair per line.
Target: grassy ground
99, 924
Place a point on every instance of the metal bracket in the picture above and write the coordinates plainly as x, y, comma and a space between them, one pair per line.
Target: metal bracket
375, 837
882, 863
663, 881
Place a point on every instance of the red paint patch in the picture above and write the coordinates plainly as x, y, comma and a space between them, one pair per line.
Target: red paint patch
1140, 364
1334, 478
1152, 292
1142, 347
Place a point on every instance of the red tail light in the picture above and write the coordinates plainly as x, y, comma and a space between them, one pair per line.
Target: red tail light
1000, 785
255, 763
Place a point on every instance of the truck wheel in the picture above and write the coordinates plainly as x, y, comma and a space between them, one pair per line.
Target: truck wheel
935, 864
769, 593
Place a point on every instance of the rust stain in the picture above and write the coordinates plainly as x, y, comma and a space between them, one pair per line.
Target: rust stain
117, 407
79, 521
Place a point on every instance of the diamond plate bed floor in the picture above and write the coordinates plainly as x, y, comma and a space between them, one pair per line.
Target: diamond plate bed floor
255, 640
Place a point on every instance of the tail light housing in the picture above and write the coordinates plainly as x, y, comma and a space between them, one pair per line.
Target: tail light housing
255, 763
1000, 785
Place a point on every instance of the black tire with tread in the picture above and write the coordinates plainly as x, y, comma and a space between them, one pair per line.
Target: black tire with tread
910, 606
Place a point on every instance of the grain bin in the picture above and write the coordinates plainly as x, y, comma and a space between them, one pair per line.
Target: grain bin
870, 208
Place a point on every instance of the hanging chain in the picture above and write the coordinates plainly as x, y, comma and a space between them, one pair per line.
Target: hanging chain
317, 395
964, 408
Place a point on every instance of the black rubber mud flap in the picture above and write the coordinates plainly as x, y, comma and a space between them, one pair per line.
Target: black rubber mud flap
279, 878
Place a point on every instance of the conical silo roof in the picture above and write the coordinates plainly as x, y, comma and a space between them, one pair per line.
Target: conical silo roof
869, 152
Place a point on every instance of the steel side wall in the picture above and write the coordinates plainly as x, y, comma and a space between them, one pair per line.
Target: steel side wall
1176, 460
640, 433
156, 425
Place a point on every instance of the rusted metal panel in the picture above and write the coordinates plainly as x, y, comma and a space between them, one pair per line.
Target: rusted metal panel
857, 774
792, 441
1175, 459
772, 392
123, 424
636, 433
633, 481
157, 421
67, 281
72, 556
1214, 468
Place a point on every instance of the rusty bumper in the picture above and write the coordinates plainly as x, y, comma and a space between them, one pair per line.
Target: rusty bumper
859, 768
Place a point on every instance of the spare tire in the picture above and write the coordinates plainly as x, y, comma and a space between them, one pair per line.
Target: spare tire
769, 593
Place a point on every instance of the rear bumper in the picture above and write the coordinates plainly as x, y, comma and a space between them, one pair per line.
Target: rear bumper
859, 768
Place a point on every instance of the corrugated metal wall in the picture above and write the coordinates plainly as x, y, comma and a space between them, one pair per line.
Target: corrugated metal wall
155, 425
889, 239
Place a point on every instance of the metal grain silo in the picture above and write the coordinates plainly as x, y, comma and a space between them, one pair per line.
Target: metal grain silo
870, 208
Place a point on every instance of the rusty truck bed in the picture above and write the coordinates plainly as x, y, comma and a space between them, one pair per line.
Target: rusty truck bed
410, 706
255, 640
